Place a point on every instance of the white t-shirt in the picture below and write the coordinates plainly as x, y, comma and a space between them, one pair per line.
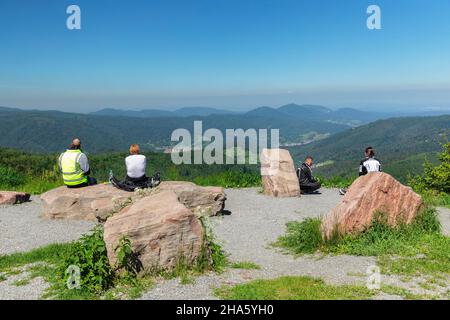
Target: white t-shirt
136, 165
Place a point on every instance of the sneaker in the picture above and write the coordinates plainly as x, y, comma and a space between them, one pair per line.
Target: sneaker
342, 191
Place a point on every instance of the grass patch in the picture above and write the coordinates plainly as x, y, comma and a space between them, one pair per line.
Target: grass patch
51, 254
292, 288
99, 280
406, 294
417, 248
245, 265
22, 282
435, 199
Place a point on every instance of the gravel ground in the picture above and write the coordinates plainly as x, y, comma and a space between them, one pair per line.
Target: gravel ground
444, 216
246, 234
12, 289
21, 228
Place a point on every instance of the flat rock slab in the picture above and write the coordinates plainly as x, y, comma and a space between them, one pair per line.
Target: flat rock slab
201, 200
89, 203
12, 197
101, 201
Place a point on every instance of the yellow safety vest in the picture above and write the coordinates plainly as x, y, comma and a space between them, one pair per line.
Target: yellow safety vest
70, 168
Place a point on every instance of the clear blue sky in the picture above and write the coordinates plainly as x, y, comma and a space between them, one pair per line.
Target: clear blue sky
224, 53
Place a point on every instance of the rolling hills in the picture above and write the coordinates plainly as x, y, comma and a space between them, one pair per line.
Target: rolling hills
402, 144
50, 131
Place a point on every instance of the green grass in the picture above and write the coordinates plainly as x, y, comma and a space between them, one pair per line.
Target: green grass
432, 198
248, 265
50, 254
292, 288
99, 281
336, 181
398, 249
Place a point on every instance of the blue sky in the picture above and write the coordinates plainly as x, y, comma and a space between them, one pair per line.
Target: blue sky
234, 54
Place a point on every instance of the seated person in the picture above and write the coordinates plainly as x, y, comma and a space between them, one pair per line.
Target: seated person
136, 165
74, 167
308, 184
368, 164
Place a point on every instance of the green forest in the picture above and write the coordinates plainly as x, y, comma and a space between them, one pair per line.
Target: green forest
37, 173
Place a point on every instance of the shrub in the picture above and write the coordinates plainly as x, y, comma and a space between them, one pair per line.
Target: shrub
302, 237
435, 178
10, 178
89, 254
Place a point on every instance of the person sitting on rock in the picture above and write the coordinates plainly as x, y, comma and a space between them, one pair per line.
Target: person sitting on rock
136, 165
368, 164
308, 184
74, 167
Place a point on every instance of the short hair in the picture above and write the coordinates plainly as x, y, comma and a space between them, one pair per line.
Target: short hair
76, 143
370, 151
134, 149
309, 158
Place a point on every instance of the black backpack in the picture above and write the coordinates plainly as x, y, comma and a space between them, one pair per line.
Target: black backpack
128, 185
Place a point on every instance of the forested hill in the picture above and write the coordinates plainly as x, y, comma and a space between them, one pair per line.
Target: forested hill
51, 131
401, 143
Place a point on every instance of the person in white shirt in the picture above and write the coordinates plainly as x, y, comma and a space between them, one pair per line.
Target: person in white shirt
136, 165
136, 178
368, 164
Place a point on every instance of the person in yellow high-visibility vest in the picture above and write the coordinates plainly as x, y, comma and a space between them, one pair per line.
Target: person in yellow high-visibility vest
74, 167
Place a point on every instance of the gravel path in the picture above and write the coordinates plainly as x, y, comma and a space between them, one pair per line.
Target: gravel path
444, 217
21, 228
246, 234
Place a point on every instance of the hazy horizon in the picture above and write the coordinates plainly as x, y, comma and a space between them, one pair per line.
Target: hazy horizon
234, 55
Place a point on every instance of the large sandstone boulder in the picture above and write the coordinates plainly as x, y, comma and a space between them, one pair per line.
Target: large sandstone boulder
202, 200
99, 202
278, 173
161, 229
12, 197
89, 203
369, 194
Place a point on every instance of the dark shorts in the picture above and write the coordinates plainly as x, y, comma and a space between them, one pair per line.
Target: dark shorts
310, 187
91, 182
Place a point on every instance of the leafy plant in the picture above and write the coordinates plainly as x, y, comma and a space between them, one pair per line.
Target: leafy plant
212, 255
10, 177
126, 259
89, 254
435, 177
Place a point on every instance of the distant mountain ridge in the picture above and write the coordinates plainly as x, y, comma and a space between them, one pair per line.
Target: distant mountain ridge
400, 143
50, 131
154, 113
346, 116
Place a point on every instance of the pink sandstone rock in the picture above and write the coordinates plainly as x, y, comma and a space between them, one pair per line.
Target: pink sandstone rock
374, 192
12, 197
161, 230
278, 173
